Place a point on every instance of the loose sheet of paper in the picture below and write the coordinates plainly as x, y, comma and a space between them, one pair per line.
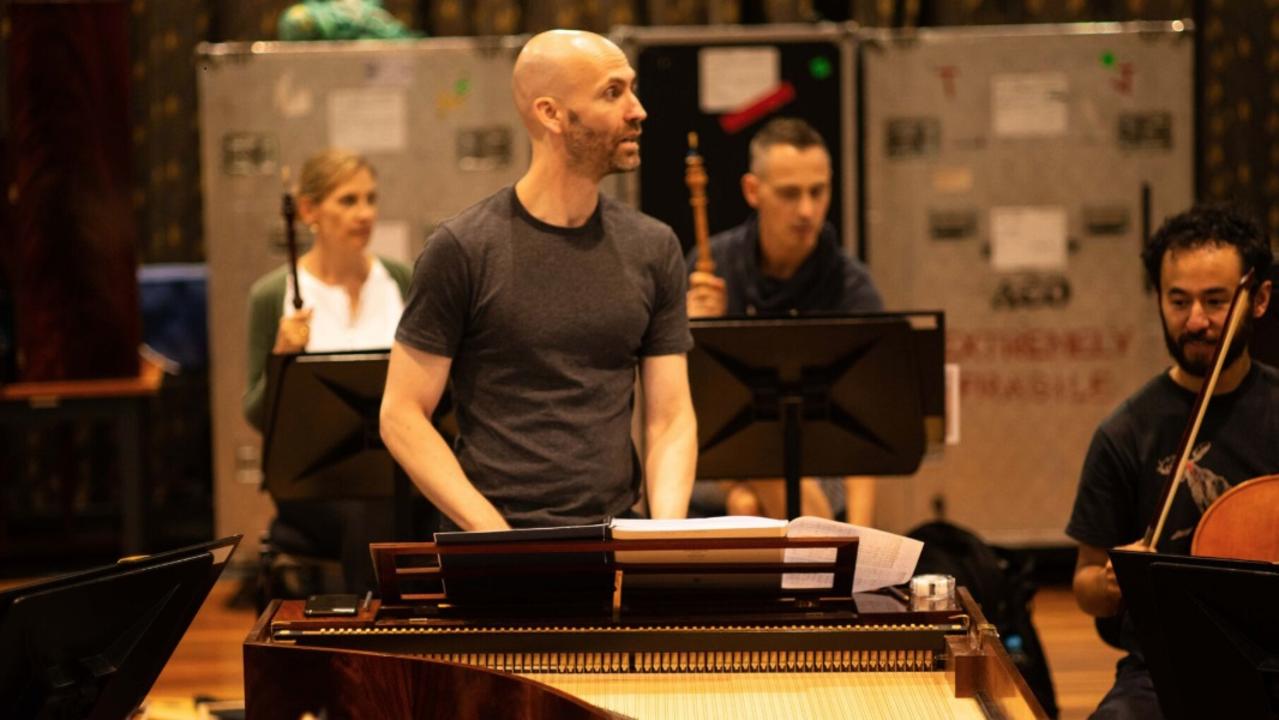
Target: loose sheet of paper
883, 558
722, 526
951, 374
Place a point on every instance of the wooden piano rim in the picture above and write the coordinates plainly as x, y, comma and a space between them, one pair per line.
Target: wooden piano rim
259, 638
984, 671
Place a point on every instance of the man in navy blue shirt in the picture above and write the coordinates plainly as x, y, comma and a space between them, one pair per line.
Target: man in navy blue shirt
784, 260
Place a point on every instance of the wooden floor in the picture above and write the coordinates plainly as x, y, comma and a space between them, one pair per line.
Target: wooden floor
1083, 667
208, 661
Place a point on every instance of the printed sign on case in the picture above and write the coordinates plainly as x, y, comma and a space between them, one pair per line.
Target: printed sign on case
1029, 104
730, 78
368, 119
1028, 237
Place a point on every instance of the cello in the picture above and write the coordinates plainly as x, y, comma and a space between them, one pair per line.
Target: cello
1244, 522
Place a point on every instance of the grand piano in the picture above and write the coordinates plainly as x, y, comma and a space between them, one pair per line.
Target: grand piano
649, 628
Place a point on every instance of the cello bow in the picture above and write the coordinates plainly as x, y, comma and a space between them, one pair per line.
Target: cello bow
1240, 304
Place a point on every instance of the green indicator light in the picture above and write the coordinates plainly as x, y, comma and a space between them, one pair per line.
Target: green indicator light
462, 87
820, 68
1108, 59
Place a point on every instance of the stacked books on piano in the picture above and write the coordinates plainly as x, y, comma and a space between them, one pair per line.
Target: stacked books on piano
739, 555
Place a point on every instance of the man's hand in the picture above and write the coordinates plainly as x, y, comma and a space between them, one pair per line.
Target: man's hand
1096, 589
1108, 572
706, 295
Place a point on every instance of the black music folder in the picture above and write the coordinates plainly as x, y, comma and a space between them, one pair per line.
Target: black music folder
502, 578
90, 644
1209, 630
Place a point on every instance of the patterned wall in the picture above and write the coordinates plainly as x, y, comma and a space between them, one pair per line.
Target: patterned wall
68, 241
454, 17
593, 15
71, 250
165, 132
1239, 61
1239, 122
8, 355
507, 17
997, 12
6, 27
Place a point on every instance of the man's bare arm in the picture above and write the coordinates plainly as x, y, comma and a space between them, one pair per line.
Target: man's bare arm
1096, 590
415, 380
670, 435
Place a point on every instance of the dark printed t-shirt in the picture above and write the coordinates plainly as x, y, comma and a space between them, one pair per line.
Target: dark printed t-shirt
1134, 451
546, 326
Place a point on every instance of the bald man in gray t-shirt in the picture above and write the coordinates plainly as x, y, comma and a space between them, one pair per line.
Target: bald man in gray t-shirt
545, 326
539, 305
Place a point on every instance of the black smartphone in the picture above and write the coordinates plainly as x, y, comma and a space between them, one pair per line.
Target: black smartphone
319, 605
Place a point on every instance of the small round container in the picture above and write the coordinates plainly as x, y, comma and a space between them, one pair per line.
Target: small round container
932, 592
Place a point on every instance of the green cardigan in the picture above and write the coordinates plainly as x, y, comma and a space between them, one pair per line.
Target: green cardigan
266, 307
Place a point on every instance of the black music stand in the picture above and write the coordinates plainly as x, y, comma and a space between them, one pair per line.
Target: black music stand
322, 439
91, 644
806, 396
928, 333
1208, 630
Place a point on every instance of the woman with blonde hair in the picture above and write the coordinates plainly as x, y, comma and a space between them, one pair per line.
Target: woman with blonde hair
352, 300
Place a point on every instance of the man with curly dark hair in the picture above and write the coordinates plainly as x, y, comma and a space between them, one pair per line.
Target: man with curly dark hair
1195, 262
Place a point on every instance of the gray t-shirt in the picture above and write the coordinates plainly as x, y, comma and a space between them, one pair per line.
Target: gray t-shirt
546, 326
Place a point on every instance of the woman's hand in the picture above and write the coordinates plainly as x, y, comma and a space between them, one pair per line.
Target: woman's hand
294, 332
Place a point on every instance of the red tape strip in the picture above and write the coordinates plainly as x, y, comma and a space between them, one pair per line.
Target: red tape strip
734, 122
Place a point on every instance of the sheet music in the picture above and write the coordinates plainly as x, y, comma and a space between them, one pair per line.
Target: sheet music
725, 526
883, 558
722, 526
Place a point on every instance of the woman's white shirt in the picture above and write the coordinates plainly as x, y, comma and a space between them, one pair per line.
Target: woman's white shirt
333, 327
